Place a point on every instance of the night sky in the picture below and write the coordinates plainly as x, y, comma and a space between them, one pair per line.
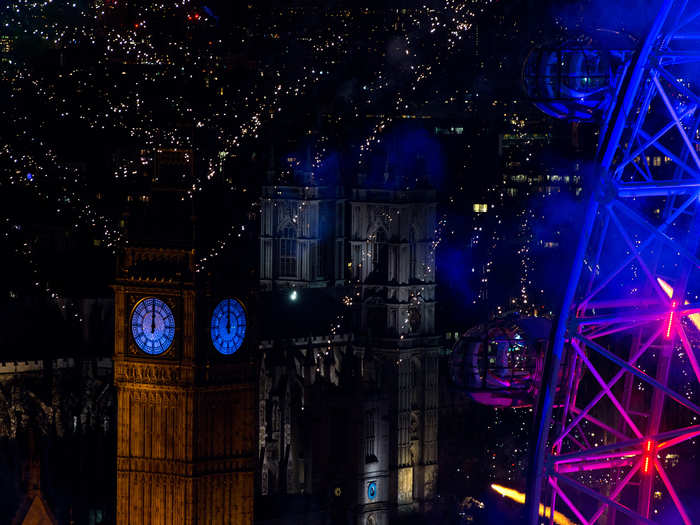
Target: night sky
258, 93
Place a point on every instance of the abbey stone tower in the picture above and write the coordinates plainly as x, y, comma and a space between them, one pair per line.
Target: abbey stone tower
348, 394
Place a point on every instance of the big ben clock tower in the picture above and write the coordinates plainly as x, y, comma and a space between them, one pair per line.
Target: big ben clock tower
185, 379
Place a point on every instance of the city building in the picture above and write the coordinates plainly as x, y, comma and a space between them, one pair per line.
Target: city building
349, 397
186, 419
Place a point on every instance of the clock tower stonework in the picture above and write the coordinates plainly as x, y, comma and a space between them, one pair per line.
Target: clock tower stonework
186, 436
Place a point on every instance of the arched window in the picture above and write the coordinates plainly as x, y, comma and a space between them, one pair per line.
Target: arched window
380, 254
370, 455
288, 252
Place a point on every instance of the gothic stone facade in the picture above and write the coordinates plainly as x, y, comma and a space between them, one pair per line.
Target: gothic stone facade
302, 237
380, 370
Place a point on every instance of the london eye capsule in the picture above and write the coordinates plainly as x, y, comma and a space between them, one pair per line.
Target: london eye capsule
501, 363
575, 79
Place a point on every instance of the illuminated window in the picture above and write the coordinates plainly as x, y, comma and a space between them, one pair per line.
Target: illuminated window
288, 252
481, 208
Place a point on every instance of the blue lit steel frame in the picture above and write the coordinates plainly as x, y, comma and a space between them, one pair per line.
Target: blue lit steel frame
635, 268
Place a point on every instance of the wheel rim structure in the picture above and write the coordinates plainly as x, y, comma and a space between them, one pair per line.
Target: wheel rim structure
629, 311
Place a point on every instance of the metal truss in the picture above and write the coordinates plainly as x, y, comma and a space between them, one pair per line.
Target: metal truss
630, 310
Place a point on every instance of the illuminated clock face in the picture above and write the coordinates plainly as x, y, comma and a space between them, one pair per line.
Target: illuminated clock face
153, 326
228, 324
372, 490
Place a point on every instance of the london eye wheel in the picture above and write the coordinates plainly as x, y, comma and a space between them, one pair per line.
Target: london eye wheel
618, 443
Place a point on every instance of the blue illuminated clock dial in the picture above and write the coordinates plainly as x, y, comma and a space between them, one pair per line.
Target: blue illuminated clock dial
372, 490
228, 325
153, 326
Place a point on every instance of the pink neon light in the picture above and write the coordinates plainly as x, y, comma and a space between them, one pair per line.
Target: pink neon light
694, 317
678, 439
670, 320
648, 452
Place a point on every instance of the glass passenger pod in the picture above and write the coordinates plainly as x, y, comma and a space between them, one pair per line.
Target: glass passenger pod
501, 364
575, 79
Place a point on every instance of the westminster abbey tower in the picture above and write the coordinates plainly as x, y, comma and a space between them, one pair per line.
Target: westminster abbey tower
364, 374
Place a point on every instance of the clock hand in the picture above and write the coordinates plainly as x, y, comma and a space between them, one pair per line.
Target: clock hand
153, 316
228, 322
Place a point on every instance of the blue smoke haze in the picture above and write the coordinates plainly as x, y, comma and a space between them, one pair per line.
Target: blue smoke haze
633, 16
413, 157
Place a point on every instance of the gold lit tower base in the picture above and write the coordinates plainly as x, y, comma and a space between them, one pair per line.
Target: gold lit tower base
186, 416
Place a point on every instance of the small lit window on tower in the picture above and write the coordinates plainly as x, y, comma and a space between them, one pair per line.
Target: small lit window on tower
288, 252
